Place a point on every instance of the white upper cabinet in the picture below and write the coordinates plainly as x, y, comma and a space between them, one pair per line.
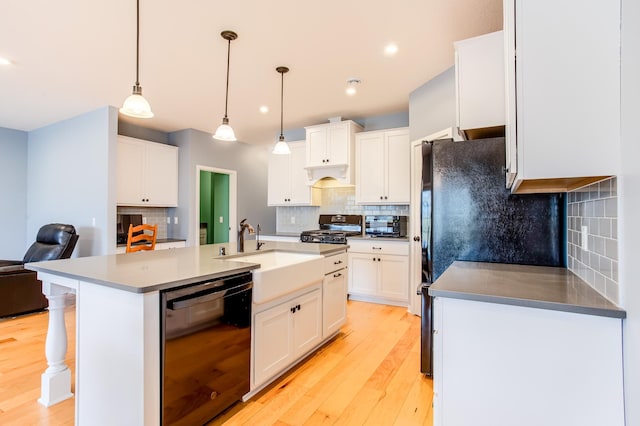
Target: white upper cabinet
480, 84
563, 91
146, 173
288, 184
330, 149
382, 167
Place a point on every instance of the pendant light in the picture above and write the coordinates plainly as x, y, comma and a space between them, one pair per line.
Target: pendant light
281, 147
224, 132
136, 105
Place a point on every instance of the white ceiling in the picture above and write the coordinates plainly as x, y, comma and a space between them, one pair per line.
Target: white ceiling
75, 56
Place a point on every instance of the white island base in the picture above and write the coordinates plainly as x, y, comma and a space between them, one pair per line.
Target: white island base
117, 341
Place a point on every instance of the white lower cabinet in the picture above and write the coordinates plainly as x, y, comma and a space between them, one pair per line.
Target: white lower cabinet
285, 332
503, 365
334, 295
379, 271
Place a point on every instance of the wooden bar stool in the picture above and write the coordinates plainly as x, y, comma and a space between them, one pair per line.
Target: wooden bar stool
137, 234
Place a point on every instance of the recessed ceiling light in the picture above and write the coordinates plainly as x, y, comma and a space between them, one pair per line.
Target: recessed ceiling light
264, 109
4, 61
391, 49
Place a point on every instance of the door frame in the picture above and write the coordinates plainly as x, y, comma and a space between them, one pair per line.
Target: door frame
233, 201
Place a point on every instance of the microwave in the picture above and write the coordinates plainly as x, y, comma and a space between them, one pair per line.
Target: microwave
385, 226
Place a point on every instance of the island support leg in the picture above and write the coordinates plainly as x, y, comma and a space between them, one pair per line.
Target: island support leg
56, 380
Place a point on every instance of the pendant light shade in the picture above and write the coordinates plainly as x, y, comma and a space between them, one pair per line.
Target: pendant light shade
281, 148
136, 105
224, 132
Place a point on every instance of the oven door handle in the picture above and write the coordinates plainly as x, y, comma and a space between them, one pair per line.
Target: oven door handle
188, 301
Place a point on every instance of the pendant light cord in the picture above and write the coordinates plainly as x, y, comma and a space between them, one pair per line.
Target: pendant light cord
281, 103
137, 42
226, 97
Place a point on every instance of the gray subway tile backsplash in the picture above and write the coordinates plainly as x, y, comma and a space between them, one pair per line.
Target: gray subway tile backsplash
596, 207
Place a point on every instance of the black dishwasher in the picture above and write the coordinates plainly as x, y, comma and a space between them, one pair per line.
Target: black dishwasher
206, 348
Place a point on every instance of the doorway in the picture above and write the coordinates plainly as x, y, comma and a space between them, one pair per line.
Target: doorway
216, 205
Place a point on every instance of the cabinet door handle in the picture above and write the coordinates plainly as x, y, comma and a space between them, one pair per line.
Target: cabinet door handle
416, 238
385, 197
378, 259
293, 310
338, 262
381, 197
376, 248
374, 259
298, 307
337, 275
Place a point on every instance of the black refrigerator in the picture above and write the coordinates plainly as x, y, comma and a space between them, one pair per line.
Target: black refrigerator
468, 214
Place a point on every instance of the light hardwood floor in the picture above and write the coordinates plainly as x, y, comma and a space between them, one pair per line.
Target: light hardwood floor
368, 375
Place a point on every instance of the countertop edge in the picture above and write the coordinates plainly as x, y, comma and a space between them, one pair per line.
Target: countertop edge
247, 267
530, 303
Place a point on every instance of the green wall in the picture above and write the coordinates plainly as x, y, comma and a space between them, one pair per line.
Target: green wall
214, 203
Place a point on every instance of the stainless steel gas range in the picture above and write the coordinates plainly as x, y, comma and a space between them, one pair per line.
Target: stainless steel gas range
334, 229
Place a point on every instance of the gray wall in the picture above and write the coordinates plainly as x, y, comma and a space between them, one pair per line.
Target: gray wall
250, 162
387, 121
432, 106
378, 122
629, 184
71, 178
138, 132
13, 193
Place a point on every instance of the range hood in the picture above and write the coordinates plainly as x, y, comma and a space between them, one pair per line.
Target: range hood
339, 172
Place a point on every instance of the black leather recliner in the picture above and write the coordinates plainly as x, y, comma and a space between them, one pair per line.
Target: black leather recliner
20, 290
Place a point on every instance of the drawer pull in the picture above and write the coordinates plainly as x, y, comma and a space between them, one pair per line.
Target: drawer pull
338, 262
376, 248
337, 275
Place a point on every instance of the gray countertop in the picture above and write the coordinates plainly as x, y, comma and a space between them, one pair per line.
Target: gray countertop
158, 241
521, 285
369, 238
148, 271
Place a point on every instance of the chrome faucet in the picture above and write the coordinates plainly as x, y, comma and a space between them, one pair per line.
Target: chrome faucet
241, 228
258, 243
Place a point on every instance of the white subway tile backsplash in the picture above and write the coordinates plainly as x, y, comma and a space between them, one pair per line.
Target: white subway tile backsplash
595, 206
338, 200
152, 215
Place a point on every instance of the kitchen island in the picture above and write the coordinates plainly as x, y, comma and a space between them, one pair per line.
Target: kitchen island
118, 323
525, 345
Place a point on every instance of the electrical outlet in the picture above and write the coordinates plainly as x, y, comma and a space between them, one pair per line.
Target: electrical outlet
168, 220
293, 220
93, 221
144, 220
175, 220
221, 219
585, 238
